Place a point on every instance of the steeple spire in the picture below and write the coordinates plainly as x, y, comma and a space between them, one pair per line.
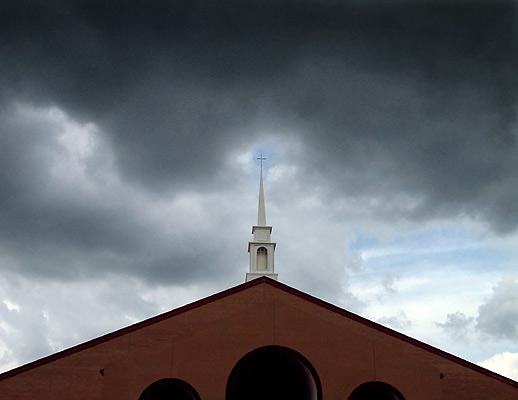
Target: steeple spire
261, 213
261, 249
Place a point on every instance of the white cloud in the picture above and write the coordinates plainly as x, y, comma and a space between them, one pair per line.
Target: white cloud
313, 252
442, 278
399, 322
52, 315
505, 364
498, 316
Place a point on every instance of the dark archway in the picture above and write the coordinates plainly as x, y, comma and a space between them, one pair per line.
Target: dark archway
273, 373
169, 389
376, 391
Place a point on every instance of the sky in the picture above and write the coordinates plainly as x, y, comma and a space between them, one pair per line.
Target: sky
129, 137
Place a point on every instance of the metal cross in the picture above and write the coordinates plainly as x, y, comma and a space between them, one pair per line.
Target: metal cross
261, 158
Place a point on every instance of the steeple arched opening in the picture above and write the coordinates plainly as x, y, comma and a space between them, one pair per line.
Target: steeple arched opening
262, 258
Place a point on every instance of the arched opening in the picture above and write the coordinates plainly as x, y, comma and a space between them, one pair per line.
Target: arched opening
169, 389
376, 391
262, 258
273, 373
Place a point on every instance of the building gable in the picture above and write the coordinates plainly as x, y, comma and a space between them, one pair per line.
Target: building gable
201, 343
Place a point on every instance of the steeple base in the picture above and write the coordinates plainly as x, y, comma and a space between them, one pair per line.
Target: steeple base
253, 275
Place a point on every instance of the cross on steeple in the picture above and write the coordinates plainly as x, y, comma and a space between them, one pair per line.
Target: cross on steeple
261, 158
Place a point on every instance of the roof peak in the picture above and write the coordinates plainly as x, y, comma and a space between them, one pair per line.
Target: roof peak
264, 280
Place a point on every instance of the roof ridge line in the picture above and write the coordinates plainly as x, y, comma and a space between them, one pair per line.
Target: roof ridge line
236, 289
128, 329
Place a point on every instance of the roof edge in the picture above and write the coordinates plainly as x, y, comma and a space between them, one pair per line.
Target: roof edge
236, 289
128, 329
393, 333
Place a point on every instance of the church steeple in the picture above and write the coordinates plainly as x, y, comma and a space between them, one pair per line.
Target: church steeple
261, 212
261, 249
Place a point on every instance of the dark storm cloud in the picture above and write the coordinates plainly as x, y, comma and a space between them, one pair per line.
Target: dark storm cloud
391, 111
396, 100
54, 226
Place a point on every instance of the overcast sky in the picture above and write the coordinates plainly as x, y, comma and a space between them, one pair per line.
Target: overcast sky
129, 133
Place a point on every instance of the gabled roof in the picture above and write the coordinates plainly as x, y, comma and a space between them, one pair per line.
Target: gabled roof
240, 288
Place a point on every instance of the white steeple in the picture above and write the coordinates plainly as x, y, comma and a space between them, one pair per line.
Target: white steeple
261, 249
261, 213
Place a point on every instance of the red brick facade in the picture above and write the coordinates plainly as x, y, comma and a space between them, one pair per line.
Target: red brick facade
201, 343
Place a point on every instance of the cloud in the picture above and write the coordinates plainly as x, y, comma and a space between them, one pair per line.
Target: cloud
313, 245
22, 345
389, 282
505, 364
67, 213
457, 325
128, 133
399, 322
498, 316
428, 106
36, 322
